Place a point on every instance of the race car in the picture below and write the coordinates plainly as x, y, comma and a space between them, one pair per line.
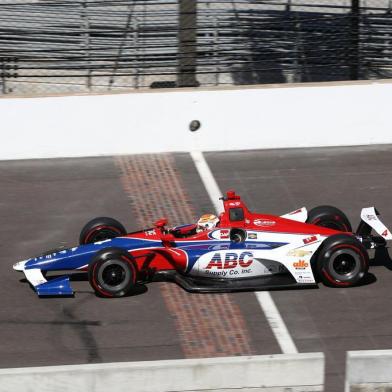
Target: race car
235, 251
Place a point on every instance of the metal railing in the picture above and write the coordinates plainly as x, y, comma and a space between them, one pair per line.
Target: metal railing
60, 46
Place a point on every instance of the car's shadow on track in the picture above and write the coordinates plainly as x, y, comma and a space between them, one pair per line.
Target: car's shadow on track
139, 288
381, 259
368, 279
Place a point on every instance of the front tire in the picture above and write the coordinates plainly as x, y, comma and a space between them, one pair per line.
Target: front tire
330, 217
112, 273
342, 261
100, 229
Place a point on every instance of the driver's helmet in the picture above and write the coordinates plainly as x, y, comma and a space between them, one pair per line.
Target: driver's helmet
207, 222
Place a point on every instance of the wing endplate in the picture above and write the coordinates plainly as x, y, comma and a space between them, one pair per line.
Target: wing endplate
370, 216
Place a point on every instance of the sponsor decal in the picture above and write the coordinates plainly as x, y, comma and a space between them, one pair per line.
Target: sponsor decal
385, 233
231, 260
224, 234
310, 240
305, 279
264, 222
299, 253
296, 212
150, 232
228, 264
219, 247
252, 236
300, 264
302, 273
234, 203
371, 217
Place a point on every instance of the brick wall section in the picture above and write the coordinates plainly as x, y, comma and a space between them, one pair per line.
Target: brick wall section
209, 325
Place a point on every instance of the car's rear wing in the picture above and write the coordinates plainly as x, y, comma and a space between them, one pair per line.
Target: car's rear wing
369, 221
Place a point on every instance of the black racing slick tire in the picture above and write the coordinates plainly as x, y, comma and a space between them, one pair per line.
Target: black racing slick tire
112, 273
342, 261
100, 229
330, 217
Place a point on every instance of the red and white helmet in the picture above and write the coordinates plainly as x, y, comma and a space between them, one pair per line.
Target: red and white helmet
207, 222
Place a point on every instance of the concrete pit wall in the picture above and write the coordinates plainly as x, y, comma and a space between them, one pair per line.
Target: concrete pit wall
280, 116
369, 371
270, 373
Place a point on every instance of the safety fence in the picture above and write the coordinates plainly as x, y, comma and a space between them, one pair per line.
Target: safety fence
67, 46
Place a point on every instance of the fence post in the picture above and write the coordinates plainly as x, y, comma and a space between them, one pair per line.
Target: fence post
3, 75
86, 41
354, 39
187, 46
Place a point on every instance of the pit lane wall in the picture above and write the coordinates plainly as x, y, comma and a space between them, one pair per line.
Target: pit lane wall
369, 371
272, 373
304, 115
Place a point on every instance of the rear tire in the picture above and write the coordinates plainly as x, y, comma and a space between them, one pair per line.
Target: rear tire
330, 217
342, 261
100, 229
112, 273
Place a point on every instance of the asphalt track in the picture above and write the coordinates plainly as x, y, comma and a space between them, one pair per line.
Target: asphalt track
43, 204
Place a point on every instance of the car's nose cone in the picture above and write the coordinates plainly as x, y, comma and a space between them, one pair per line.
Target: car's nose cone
19, 266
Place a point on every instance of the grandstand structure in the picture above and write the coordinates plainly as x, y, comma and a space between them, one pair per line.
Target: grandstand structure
78, 46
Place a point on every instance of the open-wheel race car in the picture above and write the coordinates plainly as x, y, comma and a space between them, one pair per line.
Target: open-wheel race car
237, 251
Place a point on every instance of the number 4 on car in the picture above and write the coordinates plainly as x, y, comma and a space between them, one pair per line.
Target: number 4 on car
235, 251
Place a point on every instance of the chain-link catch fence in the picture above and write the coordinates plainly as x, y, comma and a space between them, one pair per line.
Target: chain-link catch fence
73, 46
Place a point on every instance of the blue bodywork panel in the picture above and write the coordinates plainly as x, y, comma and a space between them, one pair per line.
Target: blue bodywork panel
79, 257
58, 286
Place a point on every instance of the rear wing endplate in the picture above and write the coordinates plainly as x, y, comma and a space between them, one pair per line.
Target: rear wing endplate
371, 221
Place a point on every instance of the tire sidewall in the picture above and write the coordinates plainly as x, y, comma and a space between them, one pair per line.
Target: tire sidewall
339, 245
89, 236
334, 223
330, 217
104, 259
100, 225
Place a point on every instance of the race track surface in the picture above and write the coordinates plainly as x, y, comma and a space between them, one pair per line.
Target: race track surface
44, 204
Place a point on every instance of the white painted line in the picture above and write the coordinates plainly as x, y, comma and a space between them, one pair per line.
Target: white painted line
264, 298
208, 179
276, 322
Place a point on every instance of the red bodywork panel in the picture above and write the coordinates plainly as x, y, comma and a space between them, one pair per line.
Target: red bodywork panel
235, 215
263, 222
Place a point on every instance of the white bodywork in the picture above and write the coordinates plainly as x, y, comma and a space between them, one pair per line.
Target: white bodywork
293, 256
369, 216
299, 215
33, 275
254, 261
